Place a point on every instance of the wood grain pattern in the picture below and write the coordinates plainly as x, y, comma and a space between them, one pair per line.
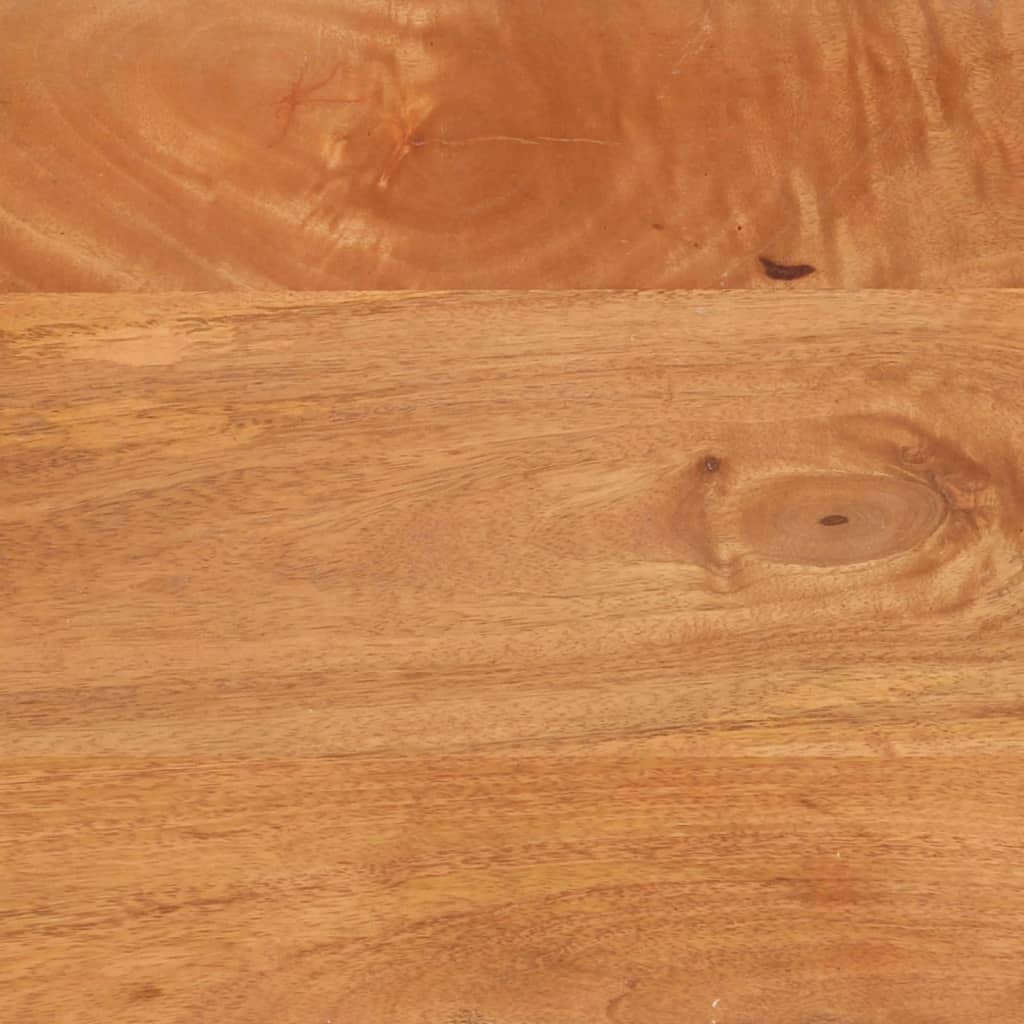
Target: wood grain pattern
506, 890
495, 659
312, 144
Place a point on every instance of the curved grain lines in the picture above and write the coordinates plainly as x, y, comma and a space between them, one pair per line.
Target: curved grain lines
308, 145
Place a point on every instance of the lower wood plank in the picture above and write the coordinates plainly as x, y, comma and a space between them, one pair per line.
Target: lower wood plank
505, 890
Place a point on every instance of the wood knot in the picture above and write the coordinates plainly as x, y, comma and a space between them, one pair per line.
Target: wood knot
785, 271
834, 520
882, 516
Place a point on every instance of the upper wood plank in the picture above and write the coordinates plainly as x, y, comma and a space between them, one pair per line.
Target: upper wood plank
222, 144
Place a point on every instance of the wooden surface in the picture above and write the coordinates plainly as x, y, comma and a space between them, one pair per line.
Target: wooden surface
497, 659
312, 144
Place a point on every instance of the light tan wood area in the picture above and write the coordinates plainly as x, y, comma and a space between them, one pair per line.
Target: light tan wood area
497, 659
311, 144
505, 890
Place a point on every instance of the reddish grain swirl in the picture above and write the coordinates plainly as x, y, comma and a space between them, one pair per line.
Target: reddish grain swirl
222, 145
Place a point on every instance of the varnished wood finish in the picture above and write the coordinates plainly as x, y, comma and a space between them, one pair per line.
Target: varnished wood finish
493, 659
225, 144
502, 890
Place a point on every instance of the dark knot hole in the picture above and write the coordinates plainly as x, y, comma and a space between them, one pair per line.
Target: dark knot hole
833, 520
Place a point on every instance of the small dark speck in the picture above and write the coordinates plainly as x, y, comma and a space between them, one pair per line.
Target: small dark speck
711, 464
466, 1017
833, 520
143, 993
785, 271
658, 227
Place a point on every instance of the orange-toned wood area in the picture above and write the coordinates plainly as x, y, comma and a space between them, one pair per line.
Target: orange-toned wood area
493, 659
317, 144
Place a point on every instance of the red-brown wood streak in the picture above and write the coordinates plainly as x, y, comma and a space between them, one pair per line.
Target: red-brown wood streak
307, 144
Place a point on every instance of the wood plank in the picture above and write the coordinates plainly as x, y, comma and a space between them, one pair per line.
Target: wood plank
307, 144
506, 890
499, 658
440, 522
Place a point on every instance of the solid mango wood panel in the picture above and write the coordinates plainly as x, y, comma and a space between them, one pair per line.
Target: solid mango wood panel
504, 890
221, 144
684, 523
496, 659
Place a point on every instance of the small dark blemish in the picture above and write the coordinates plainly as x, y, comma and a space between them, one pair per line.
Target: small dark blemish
466, 1017
658, 227
143, 993
711, 464
913, 454
834, 520
785, 271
